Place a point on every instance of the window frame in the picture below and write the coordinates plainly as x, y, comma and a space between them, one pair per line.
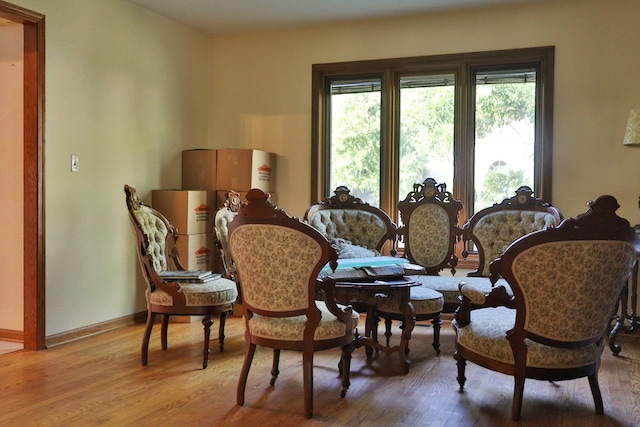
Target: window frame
463, 66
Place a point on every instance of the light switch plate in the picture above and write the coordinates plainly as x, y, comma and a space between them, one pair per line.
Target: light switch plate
75, 163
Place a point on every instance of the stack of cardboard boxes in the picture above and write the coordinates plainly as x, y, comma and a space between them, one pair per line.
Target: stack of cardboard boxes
242, 170
207, 175
192, 214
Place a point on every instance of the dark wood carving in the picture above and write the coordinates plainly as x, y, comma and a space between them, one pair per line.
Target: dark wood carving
430, 192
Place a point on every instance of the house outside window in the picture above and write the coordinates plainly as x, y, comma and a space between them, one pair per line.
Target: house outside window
479, 122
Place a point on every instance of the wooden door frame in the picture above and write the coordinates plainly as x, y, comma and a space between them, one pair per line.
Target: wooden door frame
34, 254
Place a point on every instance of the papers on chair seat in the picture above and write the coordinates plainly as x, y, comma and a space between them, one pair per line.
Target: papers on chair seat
412, 268
192, 276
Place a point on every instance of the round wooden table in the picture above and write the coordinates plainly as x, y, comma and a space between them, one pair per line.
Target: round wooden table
365, 295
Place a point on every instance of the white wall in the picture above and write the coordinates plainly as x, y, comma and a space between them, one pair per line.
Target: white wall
260, 86
126, 91
11, 170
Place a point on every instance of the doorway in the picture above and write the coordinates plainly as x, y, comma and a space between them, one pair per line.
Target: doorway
33, 154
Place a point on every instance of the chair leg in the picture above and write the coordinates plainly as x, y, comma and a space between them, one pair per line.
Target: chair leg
206, 322
242, 380
275, 367
387, 330
307, 378
518, 391
165, 331
151, 318
436, 322
461, 363
345, 367
595, 391
223, 321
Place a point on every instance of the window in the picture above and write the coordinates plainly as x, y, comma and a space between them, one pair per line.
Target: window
479, 122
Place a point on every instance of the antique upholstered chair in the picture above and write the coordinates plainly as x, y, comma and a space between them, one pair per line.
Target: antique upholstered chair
154, 237
429, 232
354, 228
278, 259
430, 226
566, 284
223, 218
492, 229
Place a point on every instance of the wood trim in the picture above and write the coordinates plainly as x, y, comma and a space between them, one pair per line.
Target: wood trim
98, 328
34, 254
11, 335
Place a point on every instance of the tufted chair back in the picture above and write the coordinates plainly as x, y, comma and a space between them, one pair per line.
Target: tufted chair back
493, 229
430, 231
354, 228
153, 231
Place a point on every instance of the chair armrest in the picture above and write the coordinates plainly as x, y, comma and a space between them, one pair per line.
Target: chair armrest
175, 257
473, 293
172, 288
327, 288
472, 297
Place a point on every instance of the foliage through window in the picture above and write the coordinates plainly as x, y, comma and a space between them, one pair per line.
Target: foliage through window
478, 122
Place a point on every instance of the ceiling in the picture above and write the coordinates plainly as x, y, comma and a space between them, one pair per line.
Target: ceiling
231, 16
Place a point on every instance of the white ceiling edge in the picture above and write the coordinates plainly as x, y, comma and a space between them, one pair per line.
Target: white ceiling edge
233, 16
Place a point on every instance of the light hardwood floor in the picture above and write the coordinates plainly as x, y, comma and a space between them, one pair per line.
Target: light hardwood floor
98, 381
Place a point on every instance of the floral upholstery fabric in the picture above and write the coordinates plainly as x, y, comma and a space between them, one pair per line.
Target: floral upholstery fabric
476, 294
346, 249
558, 294
288, 254
429, 233
222, 220
498, 230
361, 228
448, 285
217, 292
156, 232
292, 328
486, 335
424, 301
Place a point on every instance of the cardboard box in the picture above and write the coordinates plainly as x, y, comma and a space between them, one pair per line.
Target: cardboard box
244, 169
190, 211
198, 251
199, 169
222, 196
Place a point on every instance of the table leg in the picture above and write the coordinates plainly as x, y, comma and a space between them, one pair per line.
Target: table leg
371, 324
634, 300
408, 325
